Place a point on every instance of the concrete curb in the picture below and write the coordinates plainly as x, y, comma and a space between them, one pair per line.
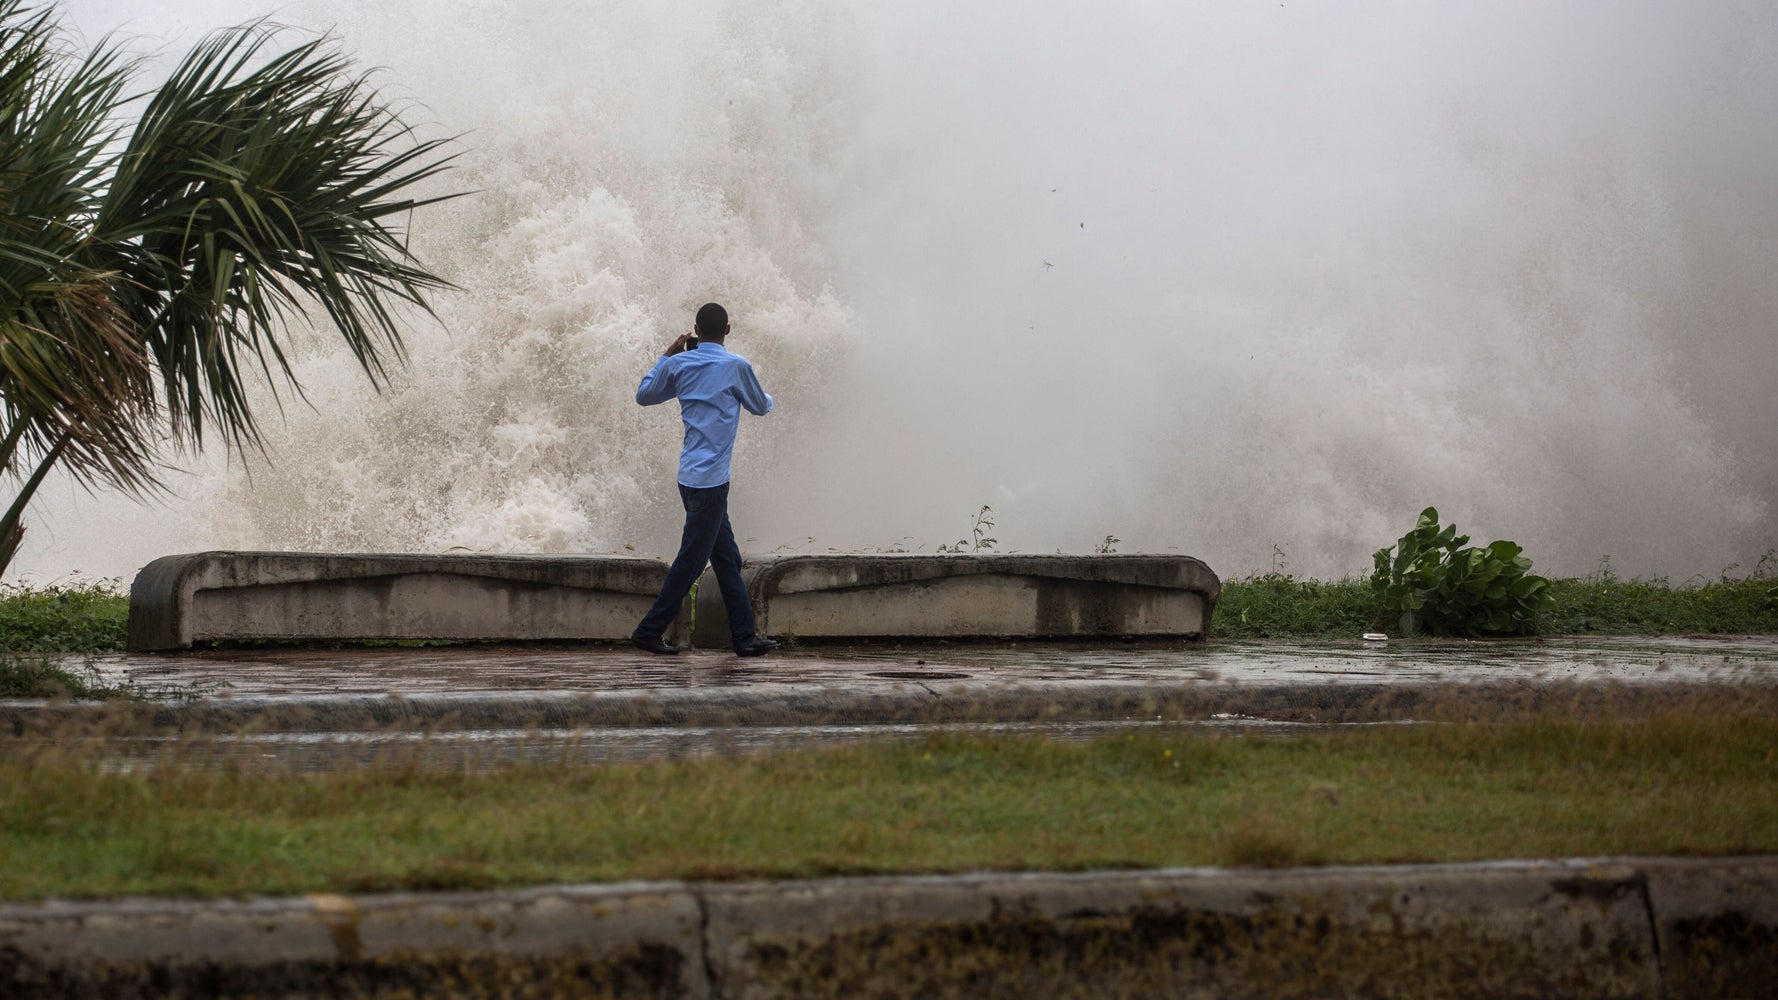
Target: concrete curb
1617, 927
883, 704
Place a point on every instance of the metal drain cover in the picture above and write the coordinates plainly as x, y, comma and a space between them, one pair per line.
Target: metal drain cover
918, 675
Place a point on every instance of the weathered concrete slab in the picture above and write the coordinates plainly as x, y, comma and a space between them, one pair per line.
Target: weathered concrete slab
233, 596
1718, 926
1463, 931
962, 596
616, 941
1580, 928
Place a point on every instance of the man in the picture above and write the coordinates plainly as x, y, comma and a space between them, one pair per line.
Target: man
712, 386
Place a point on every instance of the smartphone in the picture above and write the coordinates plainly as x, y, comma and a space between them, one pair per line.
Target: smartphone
691, 344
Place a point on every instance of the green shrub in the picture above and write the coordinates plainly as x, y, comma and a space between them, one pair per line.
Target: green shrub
80, 617
1437, 582
1611, 604
1279, 606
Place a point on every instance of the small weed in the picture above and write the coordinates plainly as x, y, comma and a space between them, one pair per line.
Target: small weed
53, 678
1765, 569
45, 677
1108, 546
979, 540
1602, 573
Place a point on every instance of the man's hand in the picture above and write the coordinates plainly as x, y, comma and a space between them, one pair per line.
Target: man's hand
678, 344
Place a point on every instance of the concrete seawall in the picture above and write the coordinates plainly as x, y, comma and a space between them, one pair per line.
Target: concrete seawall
953, 596
207, 597
1595, 928
180, 600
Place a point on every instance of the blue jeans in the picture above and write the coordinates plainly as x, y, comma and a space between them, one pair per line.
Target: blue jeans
707, 540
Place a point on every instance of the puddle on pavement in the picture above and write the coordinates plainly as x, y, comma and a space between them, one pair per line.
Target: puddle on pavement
506, 670
479, 673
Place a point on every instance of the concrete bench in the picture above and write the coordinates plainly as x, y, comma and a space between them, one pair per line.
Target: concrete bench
232, 596
956, 596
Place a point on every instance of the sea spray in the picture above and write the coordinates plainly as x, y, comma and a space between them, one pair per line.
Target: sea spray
1216, 280
585, 250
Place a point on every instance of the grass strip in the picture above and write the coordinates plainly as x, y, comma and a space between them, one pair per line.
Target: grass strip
1684, 783
1651, 607
1276, 606
1279, 606
79, 617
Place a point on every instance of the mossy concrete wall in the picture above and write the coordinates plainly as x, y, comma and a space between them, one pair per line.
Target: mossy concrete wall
1585, 928
180, 600
967, 595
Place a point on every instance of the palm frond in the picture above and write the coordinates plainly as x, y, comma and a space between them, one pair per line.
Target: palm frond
75, 381
55, 127
257, 187
143, 280
73, 376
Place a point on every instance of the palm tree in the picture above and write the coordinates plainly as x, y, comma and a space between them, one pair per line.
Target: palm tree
148, 267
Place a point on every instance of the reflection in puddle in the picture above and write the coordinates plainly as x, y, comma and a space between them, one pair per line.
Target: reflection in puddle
511, 669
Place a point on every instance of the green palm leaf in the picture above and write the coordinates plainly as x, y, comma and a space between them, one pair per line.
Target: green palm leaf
72, 375
253, 191
147, 270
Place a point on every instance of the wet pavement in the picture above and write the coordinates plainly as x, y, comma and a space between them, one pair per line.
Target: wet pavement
484, 706
462, 670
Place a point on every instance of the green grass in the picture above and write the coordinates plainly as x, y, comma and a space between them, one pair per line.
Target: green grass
1277, 606
1644, 607
80, 617
1682, 783
44, 677
35, 622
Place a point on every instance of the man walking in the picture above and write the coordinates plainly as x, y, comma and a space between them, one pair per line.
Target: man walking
712, 386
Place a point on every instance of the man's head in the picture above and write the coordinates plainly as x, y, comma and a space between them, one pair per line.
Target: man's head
712, 323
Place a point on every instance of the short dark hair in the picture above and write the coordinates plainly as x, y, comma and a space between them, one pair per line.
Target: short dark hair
712, 320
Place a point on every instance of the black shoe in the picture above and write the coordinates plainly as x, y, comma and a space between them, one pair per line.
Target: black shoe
654, 644
755, 646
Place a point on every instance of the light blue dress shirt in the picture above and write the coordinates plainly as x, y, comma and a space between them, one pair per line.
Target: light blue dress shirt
712, 385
